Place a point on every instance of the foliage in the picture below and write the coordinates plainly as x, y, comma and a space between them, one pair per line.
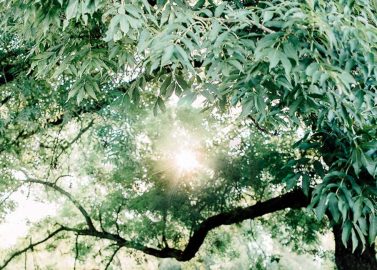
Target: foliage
289, 65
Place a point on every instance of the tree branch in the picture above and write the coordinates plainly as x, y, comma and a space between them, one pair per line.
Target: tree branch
112, 257
295, 199
31, 247
82, 210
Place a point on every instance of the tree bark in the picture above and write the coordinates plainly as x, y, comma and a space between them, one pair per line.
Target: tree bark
346, 260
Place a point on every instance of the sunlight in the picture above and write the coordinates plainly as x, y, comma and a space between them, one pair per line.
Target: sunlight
186, 160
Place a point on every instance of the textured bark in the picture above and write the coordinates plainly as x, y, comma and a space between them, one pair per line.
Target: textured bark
346, 260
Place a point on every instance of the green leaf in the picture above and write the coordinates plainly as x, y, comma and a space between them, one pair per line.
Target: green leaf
71, 9
167, 56
286, 65
290, 51
363, 225
357, 209
213, 34
274, 57
346, 232
333, 207
356, 160
182, 83
355, 242
321, 207
80, 95
165, 84
219, 10
291, 180
347, 78
343, 208
124, 25
319, 168
267, 15
161, 104
313, 67
183, 54
306, 184
372, 228
369, 164
236, 64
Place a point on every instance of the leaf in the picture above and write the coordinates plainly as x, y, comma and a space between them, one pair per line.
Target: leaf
372, 228
356, 160
306, 184
321, 207
369, 164
219, 10
290, 51
346, 232
90, 91
355, 242
80, 95
215, 30
71, 9
347, 78
333, 206
236, 64
166, 57
343, 208
363, 225
143, 40
165, 85
357, 208
267, 15
313, 67
291, 180
124, 25
319, 168
182, 83
286, 65
274, 58
183, 54
161, 104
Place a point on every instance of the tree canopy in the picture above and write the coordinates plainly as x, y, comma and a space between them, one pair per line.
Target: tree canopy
291, 83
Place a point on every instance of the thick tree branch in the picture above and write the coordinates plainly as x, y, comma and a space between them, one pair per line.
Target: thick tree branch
294, 199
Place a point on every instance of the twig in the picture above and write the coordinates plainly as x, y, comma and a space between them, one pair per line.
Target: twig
82, 210
31, 247
262, 129
76, 251
112, 257
9, 194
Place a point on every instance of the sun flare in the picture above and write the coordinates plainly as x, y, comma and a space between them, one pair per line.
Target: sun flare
186, 160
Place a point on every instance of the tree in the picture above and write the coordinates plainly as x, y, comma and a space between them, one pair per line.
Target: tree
289, 65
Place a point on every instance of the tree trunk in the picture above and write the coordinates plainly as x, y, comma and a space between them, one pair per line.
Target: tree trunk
346, 260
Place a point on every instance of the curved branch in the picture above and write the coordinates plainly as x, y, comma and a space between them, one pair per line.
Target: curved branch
31, 247
82, 210
295, 199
